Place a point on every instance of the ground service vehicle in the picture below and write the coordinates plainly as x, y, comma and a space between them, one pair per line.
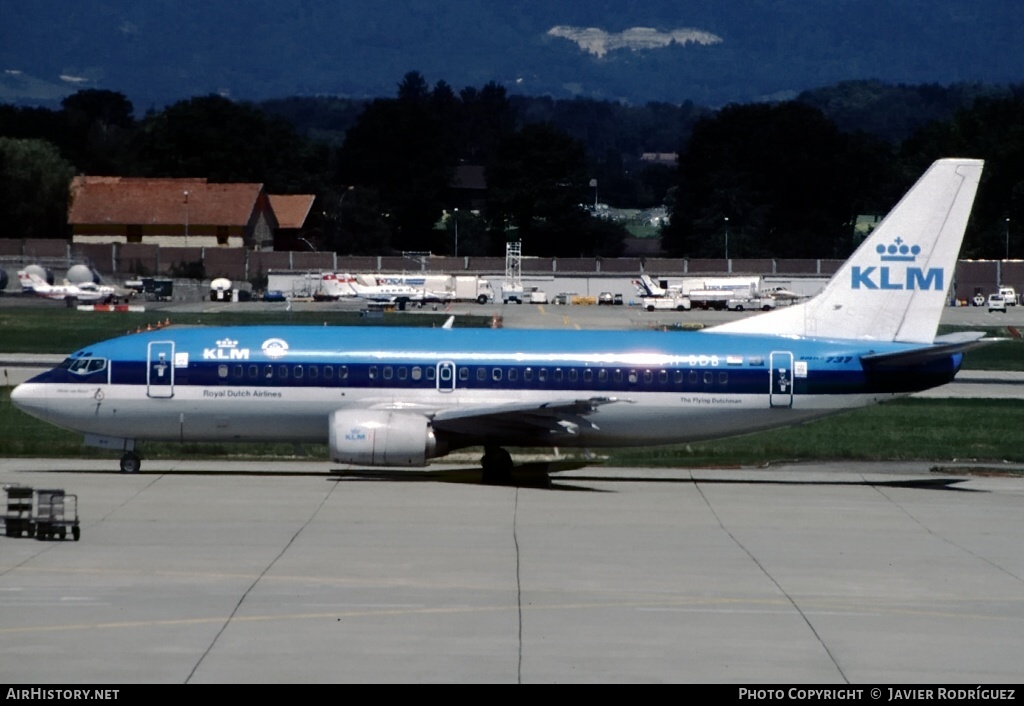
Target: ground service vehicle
750, 304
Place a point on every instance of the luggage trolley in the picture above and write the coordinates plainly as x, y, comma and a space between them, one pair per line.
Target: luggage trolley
18, 518
56, 513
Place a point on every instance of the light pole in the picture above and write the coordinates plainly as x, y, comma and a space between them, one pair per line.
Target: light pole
186, 219
341, 217
727, 238
456, 211
1007, 238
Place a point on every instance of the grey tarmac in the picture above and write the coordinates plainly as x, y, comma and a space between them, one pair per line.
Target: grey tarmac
282, 572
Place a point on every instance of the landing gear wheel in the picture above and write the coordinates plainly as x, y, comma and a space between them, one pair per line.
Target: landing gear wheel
131, 462
76, 532
497, 465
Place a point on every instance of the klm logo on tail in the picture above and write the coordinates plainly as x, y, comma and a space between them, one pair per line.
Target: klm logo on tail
895, 277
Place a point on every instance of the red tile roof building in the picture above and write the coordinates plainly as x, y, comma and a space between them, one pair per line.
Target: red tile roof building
178, 212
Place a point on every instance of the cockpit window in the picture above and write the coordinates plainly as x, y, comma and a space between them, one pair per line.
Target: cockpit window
86, 366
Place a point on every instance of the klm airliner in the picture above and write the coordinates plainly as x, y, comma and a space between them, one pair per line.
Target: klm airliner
399, 397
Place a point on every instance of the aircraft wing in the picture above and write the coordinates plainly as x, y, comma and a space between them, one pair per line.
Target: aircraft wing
943, 347
521, 418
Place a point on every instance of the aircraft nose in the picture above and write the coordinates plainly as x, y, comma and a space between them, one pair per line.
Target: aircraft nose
29, 398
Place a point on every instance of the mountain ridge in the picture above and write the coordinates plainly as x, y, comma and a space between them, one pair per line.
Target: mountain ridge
162, 51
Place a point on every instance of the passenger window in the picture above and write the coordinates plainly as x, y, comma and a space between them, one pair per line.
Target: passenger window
632, 377
388, 372
372, 372
282, 372
314, 372
299, 372
618, 376
648, 377
417, 372
723, 378
513, 374
558, 375
328, 372
481, 374
238, 370
268, 372
602, 375
343, 372
463, 374
542, 375
254, 371
588, 375
693, 377
662, 376
709, 377
403, 373
496, 374
678, 376
222, 371
431, 373
528, 374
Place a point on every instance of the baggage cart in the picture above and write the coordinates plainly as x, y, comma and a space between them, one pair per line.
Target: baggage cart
56, 515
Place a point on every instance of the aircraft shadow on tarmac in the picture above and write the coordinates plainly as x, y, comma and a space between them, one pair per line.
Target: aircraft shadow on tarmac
543, 475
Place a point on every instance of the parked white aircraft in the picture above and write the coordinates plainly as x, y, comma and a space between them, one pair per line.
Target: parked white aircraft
400, 396
71, 293
392, 290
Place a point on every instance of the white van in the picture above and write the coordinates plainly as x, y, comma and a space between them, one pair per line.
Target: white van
1009, 295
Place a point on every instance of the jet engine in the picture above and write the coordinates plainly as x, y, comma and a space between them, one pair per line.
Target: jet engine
381, 438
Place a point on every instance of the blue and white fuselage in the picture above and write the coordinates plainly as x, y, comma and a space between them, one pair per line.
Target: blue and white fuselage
400, 396
281, 383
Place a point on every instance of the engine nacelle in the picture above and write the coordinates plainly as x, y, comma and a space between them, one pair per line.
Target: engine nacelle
381, 438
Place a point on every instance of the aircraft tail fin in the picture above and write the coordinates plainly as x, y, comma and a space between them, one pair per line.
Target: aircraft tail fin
893, 288
30, 281
647, 288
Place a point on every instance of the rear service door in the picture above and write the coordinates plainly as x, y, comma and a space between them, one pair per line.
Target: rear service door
782, 379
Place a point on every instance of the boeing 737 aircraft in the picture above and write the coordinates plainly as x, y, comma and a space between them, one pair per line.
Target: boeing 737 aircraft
399, 397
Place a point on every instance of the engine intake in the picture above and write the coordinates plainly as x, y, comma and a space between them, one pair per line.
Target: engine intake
381, 438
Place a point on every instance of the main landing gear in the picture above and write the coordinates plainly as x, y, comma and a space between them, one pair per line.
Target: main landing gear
497, 465
131, 462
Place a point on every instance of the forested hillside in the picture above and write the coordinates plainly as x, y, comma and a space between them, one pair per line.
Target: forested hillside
787, 179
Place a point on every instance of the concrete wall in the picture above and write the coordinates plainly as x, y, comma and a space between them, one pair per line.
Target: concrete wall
126, 260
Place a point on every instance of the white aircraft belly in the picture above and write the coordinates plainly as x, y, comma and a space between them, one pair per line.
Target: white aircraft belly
300, 414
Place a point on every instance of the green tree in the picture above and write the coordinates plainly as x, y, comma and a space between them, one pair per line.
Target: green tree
399, 149
99, 131
225, 141
993, 130
537, 179
34, 182
788, 181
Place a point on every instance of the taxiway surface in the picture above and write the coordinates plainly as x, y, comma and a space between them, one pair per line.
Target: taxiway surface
230, 572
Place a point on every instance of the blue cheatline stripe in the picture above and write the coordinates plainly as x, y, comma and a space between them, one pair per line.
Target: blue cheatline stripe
594, 362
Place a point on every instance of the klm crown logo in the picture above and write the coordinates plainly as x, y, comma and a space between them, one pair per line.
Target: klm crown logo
898, 251
226, 343
895, 277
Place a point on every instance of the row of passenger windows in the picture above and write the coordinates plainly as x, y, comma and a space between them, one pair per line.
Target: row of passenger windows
330, 373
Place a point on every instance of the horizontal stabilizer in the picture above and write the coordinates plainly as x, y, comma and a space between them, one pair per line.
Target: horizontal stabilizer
943, 347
